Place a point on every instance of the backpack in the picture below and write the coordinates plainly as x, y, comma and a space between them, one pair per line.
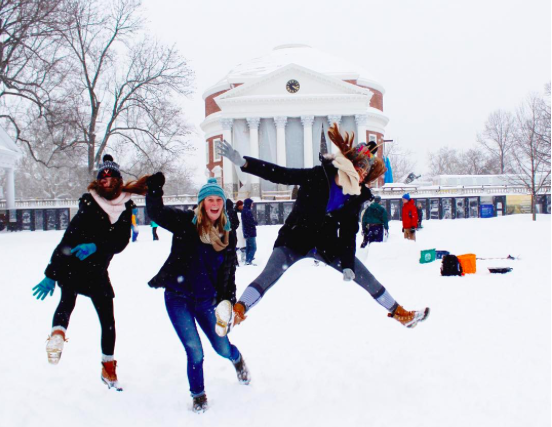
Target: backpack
451, 266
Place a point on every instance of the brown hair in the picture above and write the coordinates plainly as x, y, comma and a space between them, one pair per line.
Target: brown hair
135, 187
204, 223
345, 145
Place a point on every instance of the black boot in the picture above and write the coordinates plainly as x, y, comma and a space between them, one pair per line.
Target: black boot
242, 371
200, 404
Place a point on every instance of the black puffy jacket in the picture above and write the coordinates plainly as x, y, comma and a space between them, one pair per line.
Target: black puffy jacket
90, 225
184, 250
308, 226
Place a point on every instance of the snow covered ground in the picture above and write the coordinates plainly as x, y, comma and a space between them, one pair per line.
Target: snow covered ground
321, 352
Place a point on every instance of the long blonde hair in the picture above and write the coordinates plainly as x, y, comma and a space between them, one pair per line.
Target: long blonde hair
204, 224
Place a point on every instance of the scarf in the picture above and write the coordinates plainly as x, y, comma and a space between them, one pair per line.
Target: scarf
113, 208
213, 238
348, 176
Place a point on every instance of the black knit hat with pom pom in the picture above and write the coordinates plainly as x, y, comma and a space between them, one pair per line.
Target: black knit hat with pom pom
108, 169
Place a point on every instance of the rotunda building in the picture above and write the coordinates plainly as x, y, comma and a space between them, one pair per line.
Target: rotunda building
278, 107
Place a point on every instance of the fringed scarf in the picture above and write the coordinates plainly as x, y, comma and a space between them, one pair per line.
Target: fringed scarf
113, 208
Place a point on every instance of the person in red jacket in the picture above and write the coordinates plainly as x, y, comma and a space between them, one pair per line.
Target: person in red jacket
409, 217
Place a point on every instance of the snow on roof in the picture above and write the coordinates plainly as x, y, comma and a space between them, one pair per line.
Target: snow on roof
299, 54
6, 144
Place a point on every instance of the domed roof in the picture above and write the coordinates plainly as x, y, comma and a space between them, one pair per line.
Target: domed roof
299, 54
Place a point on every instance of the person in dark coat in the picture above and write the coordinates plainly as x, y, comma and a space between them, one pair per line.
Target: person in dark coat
323, 223
198, 274
420, 211
100, 229
409, 217
249, 227
374, 222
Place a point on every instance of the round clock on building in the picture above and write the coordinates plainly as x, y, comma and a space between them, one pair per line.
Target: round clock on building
292, 86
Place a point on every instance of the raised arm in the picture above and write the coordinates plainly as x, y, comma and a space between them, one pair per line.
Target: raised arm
169, 218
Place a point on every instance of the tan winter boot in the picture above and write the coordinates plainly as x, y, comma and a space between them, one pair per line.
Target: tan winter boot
409, 318
54, 346
109, 375
228, 317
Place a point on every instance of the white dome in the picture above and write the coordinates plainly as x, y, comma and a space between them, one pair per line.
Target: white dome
299, 54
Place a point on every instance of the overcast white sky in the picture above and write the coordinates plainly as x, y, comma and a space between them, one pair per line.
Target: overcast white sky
445, 65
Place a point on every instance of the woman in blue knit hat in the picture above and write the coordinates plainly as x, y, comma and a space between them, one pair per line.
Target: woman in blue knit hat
199, 273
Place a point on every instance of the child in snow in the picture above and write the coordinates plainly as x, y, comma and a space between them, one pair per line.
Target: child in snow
322, 224
99, 230
409, 217
199, 272
374, 221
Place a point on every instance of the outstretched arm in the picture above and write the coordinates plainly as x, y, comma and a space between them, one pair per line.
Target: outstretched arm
263, 169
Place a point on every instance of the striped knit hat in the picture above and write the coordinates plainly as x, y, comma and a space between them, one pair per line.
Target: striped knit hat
213, 189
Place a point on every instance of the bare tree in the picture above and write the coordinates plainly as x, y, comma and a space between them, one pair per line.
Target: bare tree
498, 137
30, 61
532, 146
446, 161
475, 162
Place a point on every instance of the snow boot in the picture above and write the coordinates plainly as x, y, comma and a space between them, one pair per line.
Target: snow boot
109, 375
200, 404
409, 318
54, 347
228, 317
242, 371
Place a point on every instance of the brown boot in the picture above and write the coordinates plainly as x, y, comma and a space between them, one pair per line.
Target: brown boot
239, 313
109, 375
409, 318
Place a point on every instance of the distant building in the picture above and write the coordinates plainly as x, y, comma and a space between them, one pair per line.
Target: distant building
278, 107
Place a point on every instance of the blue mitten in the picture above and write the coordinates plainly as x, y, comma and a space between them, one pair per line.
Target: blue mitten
43, 288
84, 250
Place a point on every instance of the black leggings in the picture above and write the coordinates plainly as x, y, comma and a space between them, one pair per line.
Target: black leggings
104, 308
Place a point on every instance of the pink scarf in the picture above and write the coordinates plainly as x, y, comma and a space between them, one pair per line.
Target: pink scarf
113, 208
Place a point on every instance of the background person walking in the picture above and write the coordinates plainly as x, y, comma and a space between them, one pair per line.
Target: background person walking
409, 217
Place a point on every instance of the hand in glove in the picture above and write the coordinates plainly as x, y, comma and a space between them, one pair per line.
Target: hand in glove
413, 229
226, 150
84, 250
155, 184
43, 288
348, 274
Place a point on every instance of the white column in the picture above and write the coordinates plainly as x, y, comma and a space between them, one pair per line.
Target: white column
227, 166
253, 123
280, 140
331, 120
361, 120
10, 189
307, 140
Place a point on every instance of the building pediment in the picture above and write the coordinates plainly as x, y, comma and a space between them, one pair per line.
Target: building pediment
312, 87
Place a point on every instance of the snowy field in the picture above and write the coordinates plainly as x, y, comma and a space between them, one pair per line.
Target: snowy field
321, 352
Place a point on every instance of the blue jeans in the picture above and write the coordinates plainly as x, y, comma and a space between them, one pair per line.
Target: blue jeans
250, 248
184, 312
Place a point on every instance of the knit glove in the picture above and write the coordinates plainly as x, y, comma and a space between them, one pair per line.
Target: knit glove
226, 150
84, 250
43, 288
348, 274
155, 184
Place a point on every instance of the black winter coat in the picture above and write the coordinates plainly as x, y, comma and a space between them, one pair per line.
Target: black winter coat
249, 223
90, 225
184, 250
308, 226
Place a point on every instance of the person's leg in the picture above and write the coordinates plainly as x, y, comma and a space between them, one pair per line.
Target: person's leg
280, 260
154, 232
205, 316
62, 315
104, 307
250, 249
182, 315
